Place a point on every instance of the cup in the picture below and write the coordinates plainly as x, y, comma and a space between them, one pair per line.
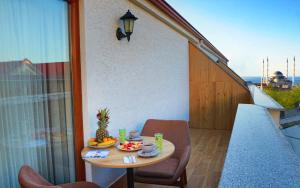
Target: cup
122, 135
148, 147
133, 134
159, 141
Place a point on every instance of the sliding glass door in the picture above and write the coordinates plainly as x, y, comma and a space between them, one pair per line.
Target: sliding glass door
36, 125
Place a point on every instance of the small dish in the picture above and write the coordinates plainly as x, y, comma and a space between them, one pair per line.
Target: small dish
139, 138
143, 154
134, 134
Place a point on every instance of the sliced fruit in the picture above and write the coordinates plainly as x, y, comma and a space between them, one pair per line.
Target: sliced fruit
92, 140
130, 146
106, 143
91, 143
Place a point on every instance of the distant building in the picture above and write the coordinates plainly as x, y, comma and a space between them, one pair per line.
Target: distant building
278, 80
33, 79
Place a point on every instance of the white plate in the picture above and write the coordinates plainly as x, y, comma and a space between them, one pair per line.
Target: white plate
153, 153
119, 147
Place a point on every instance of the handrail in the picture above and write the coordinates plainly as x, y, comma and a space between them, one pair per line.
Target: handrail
260, 98
258, 154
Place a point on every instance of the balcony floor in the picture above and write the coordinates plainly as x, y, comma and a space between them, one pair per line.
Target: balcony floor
205, 166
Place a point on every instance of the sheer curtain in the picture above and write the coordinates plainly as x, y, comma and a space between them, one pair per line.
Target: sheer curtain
35, 91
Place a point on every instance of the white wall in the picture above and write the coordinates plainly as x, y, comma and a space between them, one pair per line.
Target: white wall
137, 80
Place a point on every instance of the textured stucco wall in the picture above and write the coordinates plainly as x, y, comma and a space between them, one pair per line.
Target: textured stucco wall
137, 80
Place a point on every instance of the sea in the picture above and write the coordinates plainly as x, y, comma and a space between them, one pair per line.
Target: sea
256, 79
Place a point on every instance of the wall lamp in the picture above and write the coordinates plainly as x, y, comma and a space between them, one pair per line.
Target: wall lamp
128, 22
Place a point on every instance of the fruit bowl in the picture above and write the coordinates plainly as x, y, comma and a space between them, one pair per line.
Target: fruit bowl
107, 142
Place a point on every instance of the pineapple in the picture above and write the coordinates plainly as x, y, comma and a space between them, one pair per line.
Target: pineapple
103, 117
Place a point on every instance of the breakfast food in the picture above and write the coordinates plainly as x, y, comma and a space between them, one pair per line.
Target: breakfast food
103, 120
107, 141
130, 146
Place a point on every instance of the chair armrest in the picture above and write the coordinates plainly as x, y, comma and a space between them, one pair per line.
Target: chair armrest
79, 185
183, 161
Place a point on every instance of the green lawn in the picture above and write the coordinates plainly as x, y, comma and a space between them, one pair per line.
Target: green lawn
286, 98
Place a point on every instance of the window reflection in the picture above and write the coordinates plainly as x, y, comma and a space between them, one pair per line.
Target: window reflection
35, 91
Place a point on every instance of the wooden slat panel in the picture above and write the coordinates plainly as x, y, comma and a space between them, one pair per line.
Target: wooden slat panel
227, 104
194, 106
220, 105
204, 100
214, 94
210, 104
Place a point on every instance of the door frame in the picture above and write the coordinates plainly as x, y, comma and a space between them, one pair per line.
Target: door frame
76, 87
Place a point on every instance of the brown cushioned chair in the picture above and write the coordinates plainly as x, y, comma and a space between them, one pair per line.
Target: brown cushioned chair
173, 170
28, 178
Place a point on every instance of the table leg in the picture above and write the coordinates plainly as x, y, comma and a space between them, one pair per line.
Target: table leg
130, 178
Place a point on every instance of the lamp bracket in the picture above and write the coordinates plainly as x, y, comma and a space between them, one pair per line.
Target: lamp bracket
120, 34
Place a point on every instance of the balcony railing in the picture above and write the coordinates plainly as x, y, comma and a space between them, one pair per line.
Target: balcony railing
259, 155
260, 98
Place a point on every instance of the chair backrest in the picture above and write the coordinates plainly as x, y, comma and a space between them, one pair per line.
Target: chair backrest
176, 131
28, 178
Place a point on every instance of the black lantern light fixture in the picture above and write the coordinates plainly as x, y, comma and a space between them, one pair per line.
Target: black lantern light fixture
128, 22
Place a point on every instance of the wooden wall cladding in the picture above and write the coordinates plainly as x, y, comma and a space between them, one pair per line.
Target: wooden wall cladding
214, 93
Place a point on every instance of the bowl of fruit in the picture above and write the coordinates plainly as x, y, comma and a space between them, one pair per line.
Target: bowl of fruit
130, 146
107, 142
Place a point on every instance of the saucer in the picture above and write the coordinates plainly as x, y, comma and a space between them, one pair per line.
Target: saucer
139, 138
153, 153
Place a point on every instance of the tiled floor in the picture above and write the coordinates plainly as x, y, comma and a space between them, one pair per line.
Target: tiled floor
205, 166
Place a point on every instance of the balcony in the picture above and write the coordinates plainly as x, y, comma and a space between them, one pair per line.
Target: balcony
168, 70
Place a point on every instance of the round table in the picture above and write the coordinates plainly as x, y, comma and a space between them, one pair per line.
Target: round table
115, 158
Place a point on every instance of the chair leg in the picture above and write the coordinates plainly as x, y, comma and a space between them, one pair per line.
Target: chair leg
181, 182
184, 177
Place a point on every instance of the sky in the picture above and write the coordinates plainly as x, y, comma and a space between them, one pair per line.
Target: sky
248, 31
